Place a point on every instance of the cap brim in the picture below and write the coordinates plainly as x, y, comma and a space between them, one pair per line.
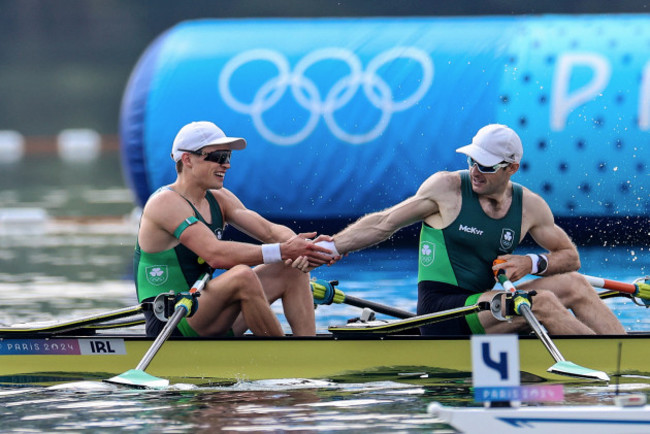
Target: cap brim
236, 143
480, 155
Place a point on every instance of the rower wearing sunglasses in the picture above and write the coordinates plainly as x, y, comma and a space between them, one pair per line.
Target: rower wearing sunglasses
180, 239
472, 217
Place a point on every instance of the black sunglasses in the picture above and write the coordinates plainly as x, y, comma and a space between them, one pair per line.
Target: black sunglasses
486, 169
219, 157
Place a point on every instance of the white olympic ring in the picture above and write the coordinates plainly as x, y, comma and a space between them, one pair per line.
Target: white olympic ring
305, 92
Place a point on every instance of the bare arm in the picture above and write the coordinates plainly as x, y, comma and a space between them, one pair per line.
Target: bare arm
562, 253
539, 222
379, 226
249, 221
167, 210
256, 226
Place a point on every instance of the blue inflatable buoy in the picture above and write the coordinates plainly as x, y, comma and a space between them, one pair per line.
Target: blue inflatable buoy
348, 116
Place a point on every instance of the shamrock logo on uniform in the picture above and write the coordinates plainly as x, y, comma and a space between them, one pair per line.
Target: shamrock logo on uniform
507, 239
156, 274
427, 253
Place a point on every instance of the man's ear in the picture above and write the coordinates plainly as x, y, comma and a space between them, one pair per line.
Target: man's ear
185, 158
512, 168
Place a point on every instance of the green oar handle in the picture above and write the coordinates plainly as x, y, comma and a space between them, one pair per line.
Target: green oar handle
643, 292
644, 289
324, 292
505, 282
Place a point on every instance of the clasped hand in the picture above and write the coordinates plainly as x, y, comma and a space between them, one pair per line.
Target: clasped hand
309, 255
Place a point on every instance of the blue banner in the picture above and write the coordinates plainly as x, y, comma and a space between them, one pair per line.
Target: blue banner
348, 116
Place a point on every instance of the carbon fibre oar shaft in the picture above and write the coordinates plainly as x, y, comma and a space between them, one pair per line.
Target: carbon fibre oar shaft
380, 308
325, 292
561, 366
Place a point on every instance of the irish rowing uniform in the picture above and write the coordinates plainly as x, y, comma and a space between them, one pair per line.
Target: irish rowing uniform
455, 263
173, 269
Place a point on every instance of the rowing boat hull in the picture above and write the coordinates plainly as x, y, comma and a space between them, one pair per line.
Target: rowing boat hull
34, 360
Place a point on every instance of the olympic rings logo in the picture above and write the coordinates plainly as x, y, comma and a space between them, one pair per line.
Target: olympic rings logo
306, 93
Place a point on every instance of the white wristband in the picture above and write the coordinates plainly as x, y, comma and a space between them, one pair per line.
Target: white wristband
535, 258
329, 245
271, 253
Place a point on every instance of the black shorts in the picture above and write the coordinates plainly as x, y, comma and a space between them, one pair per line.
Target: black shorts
437, 296
153, 326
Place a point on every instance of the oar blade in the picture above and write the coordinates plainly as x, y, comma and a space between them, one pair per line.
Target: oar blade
572, 370
138, 378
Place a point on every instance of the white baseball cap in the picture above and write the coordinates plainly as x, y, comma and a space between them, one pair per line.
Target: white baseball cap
493, 144
197, 135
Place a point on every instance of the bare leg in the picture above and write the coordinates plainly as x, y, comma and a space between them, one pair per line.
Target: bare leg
292, 286
237, 290
547, 309
575, 293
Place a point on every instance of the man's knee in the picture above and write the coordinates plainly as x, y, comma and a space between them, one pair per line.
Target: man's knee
244, 277
241, 270
546, 299
570, 280
546, 305
576, 278
577, 289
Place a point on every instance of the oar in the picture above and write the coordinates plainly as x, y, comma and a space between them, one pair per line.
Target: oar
138, 377
399, 325
75, 324
326, 293
604, 295
561, 366
640, 288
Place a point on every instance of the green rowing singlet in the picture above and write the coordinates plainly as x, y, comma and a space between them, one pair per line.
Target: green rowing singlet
462, 253
174, 269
